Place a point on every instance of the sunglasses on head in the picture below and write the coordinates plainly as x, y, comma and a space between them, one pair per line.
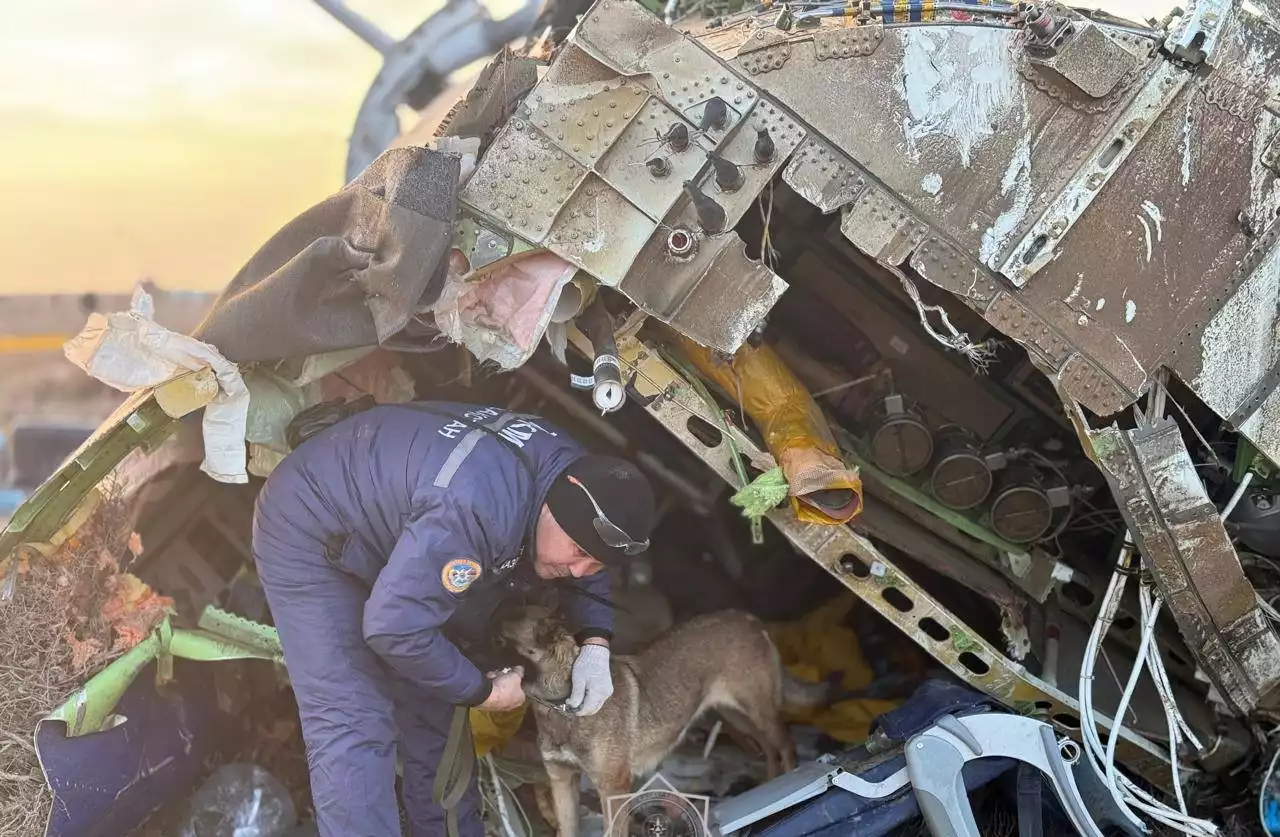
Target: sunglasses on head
609, 532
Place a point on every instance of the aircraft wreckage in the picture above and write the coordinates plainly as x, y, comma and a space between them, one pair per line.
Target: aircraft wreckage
1105, 194
1011, 270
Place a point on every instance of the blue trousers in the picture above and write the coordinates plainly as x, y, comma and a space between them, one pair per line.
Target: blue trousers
356, 714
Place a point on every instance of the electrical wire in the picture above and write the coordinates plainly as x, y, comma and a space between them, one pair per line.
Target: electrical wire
1208, 447
1128, 795
1235, 498
502, 791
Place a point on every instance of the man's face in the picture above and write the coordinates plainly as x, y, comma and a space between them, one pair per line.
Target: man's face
558, 556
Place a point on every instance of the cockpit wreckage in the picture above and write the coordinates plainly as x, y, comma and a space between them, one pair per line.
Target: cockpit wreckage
995, 285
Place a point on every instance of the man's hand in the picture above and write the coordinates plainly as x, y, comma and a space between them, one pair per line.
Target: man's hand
592, 682
508, 693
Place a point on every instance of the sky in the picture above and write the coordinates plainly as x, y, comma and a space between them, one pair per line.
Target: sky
167, 139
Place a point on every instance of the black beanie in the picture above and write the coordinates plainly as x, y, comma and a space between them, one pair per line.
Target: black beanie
621, 490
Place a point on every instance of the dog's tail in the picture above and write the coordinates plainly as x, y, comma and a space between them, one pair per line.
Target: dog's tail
780, 693
795, 693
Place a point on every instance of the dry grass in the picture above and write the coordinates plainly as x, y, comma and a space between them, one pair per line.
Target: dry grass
52, 639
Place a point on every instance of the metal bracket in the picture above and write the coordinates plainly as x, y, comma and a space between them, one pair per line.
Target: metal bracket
765, 51
1185, 546
489, 248
1089, 59
856, 42
1194, 38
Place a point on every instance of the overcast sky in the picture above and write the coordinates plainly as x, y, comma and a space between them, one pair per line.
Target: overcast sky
169, 138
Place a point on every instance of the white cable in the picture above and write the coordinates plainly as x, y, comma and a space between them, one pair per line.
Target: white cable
1235, 498
979, 354
1131, 686
1127, 794
504, 815
1088, 721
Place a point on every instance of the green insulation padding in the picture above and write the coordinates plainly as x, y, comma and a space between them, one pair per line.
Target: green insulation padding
763, 494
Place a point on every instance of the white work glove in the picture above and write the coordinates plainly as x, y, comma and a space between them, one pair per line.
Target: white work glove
592, 683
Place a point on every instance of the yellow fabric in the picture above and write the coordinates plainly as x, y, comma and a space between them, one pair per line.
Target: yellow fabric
794, 428
490, 730
814, 648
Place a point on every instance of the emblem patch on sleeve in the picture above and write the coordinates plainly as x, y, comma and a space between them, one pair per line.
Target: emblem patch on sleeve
459, 574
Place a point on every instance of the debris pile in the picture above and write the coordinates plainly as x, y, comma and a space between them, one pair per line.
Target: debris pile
74, 610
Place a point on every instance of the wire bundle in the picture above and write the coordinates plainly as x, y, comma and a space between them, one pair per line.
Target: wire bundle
1128, 795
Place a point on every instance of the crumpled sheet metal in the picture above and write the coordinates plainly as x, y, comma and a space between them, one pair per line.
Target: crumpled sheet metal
1187, 550
568, 171
956, 142
129, 351
794, 429
350, 271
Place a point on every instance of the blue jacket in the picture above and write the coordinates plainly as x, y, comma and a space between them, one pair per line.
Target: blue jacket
429, 512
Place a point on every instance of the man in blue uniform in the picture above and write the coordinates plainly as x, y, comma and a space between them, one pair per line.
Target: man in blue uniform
385, 542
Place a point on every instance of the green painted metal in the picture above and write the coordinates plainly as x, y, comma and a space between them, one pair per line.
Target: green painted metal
243, 631
45, 511
88, 708
700, 387
921, 498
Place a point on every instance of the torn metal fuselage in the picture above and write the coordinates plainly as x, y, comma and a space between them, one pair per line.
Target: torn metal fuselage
1106, 195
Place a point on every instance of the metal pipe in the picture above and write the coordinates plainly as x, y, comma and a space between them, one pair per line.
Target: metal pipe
364, 29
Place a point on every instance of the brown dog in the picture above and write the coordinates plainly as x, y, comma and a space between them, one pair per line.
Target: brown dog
723, 661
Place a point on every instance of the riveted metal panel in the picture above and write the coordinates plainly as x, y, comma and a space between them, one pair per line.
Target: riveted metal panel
523, 181
738, 149
823, 176
624, 166
599, 231
1187, 550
